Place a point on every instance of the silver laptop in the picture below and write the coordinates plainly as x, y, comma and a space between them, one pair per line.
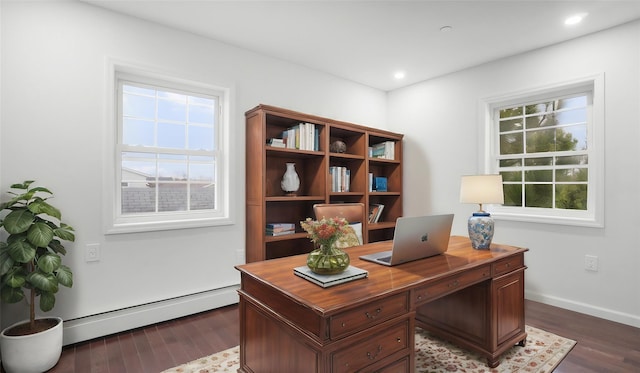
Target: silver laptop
416, 238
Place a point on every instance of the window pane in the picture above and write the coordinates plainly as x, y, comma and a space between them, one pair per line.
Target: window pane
138, 106
511, 125
511, 175
201, 172
172, 170
541, 107
171, 135
571, 102
174, 108
201, 114
201, 138
538, 121
572, 138
538, 195
172, 197
540, 161
511, 143
538, 176
138, 199
202, 196
138, 132
574, 159
512, 194
571, 196
572, 174
511, 112
541, 141
572, 116
514, 162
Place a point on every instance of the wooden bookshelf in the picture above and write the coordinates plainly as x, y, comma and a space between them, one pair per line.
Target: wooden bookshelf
265, 165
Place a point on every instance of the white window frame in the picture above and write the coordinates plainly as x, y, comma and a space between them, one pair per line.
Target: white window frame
594, 215
115, 221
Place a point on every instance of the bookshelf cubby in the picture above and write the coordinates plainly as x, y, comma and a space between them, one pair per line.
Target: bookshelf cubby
265, 165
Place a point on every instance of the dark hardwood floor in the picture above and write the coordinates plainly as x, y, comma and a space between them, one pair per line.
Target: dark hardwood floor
603, 346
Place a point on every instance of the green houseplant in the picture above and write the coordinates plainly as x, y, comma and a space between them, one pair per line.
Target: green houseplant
31, 263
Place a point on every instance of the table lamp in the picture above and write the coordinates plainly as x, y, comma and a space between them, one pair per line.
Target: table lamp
481, 189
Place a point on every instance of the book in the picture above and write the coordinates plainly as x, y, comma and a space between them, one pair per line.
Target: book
325, 281
375, 211
283, 233
380, 184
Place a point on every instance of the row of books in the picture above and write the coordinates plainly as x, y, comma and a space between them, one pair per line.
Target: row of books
280, 229
377, 183
375, 211
384, 150
303, 136
340, 178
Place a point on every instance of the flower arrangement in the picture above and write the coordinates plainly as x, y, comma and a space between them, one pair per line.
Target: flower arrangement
327, 259
325, 232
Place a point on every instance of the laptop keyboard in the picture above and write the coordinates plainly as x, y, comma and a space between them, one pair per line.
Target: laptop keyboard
385, 259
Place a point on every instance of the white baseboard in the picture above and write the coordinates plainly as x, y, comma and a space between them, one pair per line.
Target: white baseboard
86, 328
603, 313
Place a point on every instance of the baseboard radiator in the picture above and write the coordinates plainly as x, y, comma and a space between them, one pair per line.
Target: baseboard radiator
94, 326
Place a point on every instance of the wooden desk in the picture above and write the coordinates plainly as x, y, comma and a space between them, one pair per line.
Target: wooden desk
474, 298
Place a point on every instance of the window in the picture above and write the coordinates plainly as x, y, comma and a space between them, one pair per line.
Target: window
170, 155
547, 146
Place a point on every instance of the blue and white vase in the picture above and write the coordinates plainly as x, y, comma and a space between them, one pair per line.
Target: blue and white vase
480, 226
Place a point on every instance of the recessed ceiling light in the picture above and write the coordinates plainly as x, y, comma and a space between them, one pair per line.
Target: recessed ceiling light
399, 75
446, 28
574, 19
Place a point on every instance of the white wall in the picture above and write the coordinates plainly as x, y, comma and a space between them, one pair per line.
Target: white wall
442, 125
54, 114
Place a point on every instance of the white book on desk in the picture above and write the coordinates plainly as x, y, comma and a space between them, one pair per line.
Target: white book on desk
349, 274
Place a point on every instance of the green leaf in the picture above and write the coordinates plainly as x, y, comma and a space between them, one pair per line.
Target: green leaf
11, 295
21, 250
24, 185
43, 281
18, 221
65, 277
6, 262
15, 278
49, 263
40, 206
47, 301
41, 189
65, 232
57, 247
40, 234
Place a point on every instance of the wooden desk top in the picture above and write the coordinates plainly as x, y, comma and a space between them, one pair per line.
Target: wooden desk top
381, 282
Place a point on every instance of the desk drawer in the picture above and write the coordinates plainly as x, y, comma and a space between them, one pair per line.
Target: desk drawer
367, 316
450, 284
368, 351
507, 265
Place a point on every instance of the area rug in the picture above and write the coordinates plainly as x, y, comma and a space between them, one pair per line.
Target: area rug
542, 353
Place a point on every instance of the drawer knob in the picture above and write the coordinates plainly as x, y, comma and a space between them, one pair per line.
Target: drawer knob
371, 356
454, 284
370, 316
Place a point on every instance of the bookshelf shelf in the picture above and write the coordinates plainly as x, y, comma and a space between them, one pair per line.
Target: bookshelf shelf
265, 165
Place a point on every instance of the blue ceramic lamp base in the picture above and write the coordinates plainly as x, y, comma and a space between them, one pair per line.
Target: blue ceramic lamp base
480, 226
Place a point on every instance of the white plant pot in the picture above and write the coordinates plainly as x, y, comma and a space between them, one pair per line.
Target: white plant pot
35, 353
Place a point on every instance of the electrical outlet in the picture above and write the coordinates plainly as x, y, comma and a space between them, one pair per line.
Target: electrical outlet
92, 254
591, 263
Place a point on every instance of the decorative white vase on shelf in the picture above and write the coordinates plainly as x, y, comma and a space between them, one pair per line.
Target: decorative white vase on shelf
290, 181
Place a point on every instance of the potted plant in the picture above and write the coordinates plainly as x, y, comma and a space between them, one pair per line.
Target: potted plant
31, 263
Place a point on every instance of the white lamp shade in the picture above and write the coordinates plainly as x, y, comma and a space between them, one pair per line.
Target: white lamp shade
481, 189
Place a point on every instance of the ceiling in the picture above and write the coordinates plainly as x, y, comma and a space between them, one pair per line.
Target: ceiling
368, 41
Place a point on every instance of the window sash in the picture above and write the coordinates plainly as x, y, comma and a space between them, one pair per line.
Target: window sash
564, 165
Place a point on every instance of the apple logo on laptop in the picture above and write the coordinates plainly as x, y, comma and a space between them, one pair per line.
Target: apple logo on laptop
424, 237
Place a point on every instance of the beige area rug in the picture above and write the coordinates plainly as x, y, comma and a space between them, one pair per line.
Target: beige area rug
542, 353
